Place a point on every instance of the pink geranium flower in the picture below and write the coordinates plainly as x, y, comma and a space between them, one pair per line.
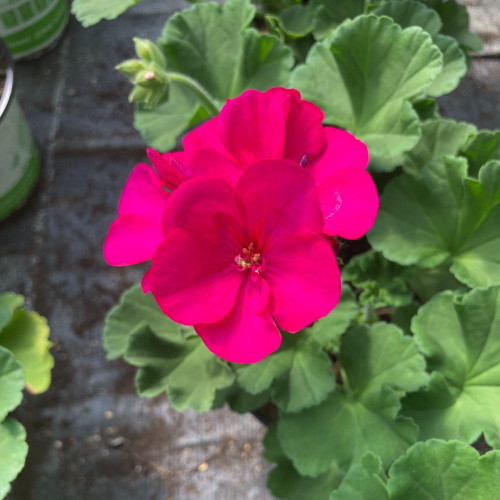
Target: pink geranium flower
239, 262
135, 234
278, 124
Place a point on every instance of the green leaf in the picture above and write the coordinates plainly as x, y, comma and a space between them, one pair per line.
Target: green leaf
461, 338
429, 282
210, 43
328, 330
285, 482
411, 13
189, 373
362, 76
426, 109
13, 451
454, 66
161, 126
9, 303
27, 337
328, 15
440, 137
135, 310
433, 470
361, 416
455, 20
482, 148
363, 480
240, 400
297, 21
441, 217
299, 374
90, 12
402, 316
213, 45
382, 281
436, 470
11, 382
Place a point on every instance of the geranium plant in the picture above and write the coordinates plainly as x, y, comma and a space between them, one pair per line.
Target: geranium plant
324, 244
25, 362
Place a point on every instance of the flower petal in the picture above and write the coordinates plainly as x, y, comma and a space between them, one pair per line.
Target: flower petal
199, 205
210, 162
349, 201
193, 279
342, 150
132, 238
171, 167
248, 334
204, 136
304, 137
142, 193
252, 126
304, 279
277, 199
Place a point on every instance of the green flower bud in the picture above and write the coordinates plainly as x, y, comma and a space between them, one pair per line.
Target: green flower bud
130, 68
149, 52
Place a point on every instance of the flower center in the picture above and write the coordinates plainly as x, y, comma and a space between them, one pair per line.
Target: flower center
248, 258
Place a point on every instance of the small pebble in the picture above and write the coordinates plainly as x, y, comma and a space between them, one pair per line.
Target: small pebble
203, 467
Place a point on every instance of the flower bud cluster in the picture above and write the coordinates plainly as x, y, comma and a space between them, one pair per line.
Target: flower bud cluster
148, 74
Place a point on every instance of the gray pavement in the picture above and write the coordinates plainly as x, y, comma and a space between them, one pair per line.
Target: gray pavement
90, 436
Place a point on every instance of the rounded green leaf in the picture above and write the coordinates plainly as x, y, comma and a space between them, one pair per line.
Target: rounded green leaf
411, 13
328, 330
361, 416
90, 12
9, 303
362, 76
13, 451
189, 373
442, 217
135, 310
27, 337
297, 21
482, 148
328, 15
461, 338
381, 281
11, 382
285, 482
364, 480
454, 66
440, 137
299, 373
439, 470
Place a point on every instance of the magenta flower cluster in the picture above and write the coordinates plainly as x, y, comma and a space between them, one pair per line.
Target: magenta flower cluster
237, 224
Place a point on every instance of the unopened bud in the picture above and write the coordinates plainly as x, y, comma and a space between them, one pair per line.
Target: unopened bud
131, 67
149, 52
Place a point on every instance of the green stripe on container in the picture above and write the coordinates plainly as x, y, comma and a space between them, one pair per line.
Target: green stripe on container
16, 197
39, 34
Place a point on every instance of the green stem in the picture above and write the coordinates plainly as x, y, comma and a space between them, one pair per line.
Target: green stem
206, 99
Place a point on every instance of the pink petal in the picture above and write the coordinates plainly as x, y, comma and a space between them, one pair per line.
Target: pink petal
198, 205
145, 283
193, 279
349, 201
252, 126
304, 138
342, 150
204, 136
171, 167
248, 334
210, 162
278, 198
143, 193
304, 279
132, 238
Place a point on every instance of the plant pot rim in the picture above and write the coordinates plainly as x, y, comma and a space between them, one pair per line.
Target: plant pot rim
8, 90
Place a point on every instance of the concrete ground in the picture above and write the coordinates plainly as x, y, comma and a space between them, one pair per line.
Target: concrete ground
90, 435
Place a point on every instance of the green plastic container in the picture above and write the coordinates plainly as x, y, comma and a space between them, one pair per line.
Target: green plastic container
19, 159
30, 27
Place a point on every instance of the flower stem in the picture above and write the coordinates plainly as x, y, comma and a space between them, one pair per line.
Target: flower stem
206, 99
